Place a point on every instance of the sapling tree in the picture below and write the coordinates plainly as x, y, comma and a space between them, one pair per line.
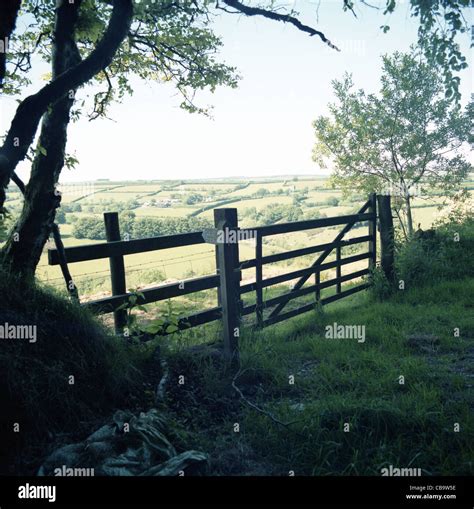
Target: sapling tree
407, 139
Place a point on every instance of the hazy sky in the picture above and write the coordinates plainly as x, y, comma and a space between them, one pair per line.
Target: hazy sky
262, 128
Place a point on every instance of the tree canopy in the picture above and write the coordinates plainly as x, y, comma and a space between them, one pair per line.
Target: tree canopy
407, 139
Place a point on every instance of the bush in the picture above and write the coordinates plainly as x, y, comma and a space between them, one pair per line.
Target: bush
3, 228
60, 217
194, 198
444, 253
89, 228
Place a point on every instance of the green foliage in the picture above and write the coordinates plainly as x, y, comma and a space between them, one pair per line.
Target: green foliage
194, 198
127, 221
332, 201
139, 228
60, 216
444, 253
166, 324
168, 42
150, 227
71, 207
404, 141
3, 227
440, 46
89, 228
380, 286
273, 213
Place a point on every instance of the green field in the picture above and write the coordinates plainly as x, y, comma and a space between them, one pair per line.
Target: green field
155, 267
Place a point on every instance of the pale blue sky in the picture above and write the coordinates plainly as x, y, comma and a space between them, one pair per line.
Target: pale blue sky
262, 128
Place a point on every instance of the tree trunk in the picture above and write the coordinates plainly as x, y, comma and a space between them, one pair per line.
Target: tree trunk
8, 14
25, 244
409, 216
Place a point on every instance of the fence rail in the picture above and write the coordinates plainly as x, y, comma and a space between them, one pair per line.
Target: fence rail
228, 276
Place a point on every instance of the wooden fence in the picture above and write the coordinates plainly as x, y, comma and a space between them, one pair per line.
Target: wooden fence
228, 276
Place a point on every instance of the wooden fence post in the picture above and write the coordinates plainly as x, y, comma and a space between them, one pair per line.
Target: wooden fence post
317, 282
71, 287
226, 223
387, 247
338, 269
218, 289
258, 279
117, 268
373, 231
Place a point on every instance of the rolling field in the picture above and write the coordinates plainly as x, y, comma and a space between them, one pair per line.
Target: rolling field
156, 267
425, 216
113, 195
258, 203
206, 188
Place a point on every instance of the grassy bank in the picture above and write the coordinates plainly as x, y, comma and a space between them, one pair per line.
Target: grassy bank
300, 427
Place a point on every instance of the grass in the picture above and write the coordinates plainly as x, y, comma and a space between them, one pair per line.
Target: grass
338, 382
62, 384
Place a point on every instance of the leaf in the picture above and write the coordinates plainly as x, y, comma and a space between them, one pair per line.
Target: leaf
153, 329
171, 328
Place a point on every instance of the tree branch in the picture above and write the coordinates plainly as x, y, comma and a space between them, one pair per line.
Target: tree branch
285, 18
29, 112
253, 405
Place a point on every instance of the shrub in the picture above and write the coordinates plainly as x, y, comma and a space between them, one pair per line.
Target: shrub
60, 217
444, 253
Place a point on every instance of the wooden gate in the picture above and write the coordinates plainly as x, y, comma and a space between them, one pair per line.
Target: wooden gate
228, 275
367, 213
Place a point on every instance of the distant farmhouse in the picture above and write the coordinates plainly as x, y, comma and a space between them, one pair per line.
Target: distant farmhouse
163, 203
